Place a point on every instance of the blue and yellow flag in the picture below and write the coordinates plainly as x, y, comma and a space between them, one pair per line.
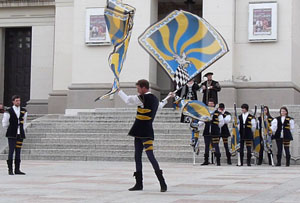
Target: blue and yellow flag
196, 110
184, 44
119, 20
235, 139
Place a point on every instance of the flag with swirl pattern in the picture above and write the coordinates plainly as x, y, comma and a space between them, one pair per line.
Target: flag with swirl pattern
119, 21
184, 44
196, 110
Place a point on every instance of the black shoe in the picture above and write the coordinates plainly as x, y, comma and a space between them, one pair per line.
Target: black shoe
139, 181
163, 185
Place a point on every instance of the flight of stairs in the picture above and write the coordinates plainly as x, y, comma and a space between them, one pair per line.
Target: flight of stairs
102, 136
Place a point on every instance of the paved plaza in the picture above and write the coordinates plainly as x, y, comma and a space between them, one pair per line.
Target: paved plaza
63, 181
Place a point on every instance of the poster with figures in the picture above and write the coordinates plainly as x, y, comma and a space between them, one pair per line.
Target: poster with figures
262, 25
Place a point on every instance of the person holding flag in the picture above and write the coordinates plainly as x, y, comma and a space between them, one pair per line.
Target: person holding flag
142, 130
225, 133
282, 127
265, 129
211, 132
247, 127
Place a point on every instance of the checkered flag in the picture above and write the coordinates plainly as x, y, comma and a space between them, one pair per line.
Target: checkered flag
181, 77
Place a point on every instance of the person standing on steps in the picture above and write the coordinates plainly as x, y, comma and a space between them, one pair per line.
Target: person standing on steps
247, 127
225, 133
211, 132
282, 127
142, 131
14, 120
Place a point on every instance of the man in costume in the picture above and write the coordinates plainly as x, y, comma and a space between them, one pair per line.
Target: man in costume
247, 127
210, 89
225, 133
142, 131
14, 120
211, 133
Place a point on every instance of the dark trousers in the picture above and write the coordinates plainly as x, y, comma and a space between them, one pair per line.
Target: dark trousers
14, 144
225, 142
215, 144
286, 143
261, 155
248, 146
139, 145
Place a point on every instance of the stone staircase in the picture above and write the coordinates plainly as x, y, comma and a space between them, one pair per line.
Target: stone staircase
102, 136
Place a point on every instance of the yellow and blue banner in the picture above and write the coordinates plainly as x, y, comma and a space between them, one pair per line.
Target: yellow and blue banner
184, 44
119, 21
196, 110
235, 139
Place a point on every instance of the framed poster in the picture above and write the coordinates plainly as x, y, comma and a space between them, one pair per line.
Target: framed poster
262, 25
96, 32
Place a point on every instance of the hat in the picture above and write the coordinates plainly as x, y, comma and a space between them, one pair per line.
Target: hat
209, 73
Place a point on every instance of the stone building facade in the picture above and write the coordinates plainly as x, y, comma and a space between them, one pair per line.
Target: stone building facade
44, 57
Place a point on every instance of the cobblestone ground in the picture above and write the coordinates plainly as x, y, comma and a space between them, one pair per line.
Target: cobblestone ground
62, 181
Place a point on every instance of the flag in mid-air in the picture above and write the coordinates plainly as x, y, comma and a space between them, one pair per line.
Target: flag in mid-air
119, 20
184, 44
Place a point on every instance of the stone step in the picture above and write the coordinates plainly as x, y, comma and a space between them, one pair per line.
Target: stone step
105, 130
117, 146
103, 120
104, 152
82, 125
102, 135
103, 141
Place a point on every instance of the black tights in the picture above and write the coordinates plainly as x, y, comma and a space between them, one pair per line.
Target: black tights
139, 145
286, 144
214, 141
14, 145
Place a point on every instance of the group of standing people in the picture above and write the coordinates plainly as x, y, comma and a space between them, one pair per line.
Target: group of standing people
14, 120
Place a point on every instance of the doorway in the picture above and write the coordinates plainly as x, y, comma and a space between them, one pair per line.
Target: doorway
17, 65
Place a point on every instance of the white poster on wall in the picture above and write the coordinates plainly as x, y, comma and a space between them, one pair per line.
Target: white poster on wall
262, 25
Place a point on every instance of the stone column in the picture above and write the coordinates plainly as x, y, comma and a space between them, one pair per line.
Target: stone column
62, 71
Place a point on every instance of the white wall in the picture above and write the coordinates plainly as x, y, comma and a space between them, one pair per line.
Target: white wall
263, 62
41, 61
296, 42
220, 14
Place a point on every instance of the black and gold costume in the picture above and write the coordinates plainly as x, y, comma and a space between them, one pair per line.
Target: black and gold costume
211, 135
246, 136
283, 136
225, 133
15, 138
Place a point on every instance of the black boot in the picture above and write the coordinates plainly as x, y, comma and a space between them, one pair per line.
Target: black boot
17, 167
242, 159
205, 160
278, 160
139, 181
248, 159
10, 167
218, 157
260, 160
288, 158
228, 158
163, 185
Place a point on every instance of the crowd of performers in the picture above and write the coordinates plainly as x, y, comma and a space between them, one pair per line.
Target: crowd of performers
279, 129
